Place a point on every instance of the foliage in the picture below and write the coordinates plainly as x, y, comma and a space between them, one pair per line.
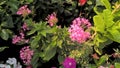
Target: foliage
49, 42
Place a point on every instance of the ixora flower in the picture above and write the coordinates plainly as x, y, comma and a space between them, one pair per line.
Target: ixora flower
21, 37
23, 11
82, 2
69, 63
78, 30
16, 39
26, 55
25, 27
52, 19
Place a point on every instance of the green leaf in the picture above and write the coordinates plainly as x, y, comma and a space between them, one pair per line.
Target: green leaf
100, 38
115, 35
102, 60
2, 48
117, 65
99, 23
54, 38
49, 53
35, 41
29, 1
13, 4
3, 2
53, 43
34, 60
98, 3
59, 43
8, 23
60, 59
89, 2
106, 42
108, 18
97, 50
32, 31
4, 35
43, 32
106, 4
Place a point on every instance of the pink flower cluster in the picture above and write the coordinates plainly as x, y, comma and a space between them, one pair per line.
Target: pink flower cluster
21, 37
23, 11
26, 55
69, 63
77, 30
52, 19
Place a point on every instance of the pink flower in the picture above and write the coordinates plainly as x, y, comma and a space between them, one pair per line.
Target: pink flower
69, 63
22, 35
23, 11
25, 27
102, 67
77, 30
19, 39
82, 2
52, 19
26, 55
16, 39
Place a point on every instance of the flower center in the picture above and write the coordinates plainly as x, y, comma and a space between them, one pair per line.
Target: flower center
70, 63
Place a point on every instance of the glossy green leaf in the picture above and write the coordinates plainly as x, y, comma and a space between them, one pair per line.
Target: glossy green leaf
106, 4
4, 34
49, 53
99, 23
108, 18
115, 35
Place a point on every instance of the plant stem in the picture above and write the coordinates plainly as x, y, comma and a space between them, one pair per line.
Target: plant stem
117, 7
